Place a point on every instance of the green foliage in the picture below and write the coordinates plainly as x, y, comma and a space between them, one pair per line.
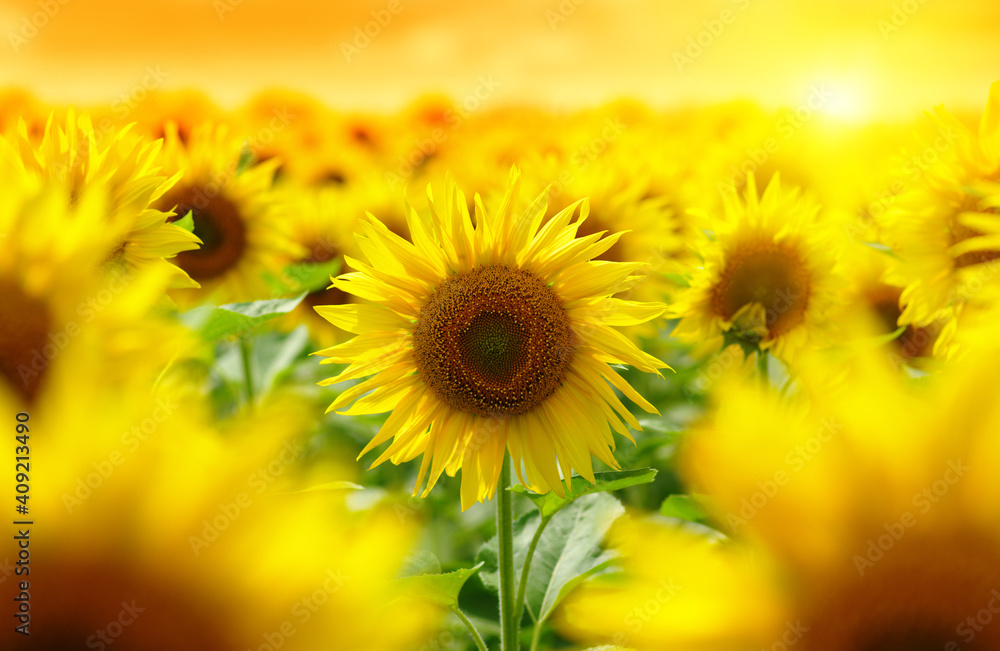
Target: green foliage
441, 589
237, 319
567, 552
549, 503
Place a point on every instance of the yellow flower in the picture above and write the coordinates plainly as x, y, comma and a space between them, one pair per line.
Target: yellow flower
57, 301
186, 108
944, 227
241, 226
863, 515
186, 538
489, 338
74, 158
767, 278
323, 224
867, 290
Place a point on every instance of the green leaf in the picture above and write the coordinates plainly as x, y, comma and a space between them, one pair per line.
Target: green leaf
328, 486
236, 319
186, 222
276, 352
568, 551
441, 589
550, 503
684, 507
678, 279
246, 160
304, 277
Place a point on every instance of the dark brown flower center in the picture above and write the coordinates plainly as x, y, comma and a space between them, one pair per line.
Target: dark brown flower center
79, 605
911, 590
771, 275
961, 232
494, 340
219, 225
915, 341
25, 349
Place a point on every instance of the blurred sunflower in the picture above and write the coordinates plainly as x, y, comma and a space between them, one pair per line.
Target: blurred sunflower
186, 108
323, 225
767, 279
183, 538
904, 555
944, 226
73, 157
241, 225
865, 269
55, 298
490, 338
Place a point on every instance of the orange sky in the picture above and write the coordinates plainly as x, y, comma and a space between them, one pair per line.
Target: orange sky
877, 58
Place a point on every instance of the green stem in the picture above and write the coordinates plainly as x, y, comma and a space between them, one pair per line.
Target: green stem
537, 635
505, 538
476, 637
522, 584
247, 374
762, 370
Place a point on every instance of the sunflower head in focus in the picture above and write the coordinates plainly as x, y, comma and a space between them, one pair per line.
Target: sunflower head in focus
487, 338
945, 227
236, 216
902, 555
75, 157
767, 276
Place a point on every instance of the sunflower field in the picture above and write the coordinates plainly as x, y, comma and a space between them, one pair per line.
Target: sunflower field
466, 375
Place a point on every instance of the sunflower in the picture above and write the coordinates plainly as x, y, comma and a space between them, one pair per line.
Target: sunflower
123, 167
57, 299
767, 279
301, 132
241, 225
489, 338
322, 223
186, 108
866, 289
904, 554
944, 227
185, 536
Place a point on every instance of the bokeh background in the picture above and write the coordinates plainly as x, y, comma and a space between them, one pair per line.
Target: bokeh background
699, 87
884, 59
